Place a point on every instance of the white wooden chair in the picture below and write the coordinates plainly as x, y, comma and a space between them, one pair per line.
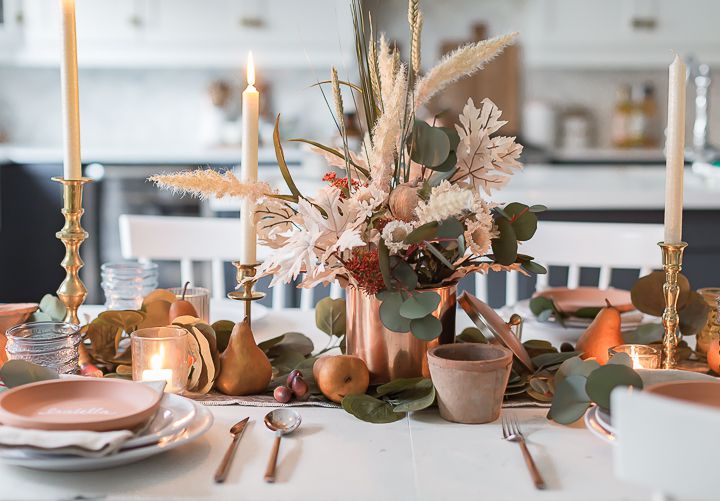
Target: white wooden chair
196, 239
606, 246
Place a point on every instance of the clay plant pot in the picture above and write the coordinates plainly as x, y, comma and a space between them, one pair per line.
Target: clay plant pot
470, 380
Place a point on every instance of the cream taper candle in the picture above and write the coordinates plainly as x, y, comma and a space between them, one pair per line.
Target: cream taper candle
675, 152
70, 99
249, 168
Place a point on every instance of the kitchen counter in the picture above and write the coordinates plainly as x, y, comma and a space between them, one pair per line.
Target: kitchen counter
175, 155
604, 188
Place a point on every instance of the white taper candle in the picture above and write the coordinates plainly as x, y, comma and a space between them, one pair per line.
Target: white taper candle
675, 152
249, 168
70, 99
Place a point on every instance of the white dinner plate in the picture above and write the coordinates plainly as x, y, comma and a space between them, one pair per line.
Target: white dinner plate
593, 424
174, 414
630, 320
200, 424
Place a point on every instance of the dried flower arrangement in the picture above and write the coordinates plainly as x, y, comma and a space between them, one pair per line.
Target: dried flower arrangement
409, 213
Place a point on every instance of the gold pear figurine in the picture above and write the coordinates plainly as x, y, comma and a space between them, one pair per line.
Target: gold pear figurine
245, 369
602, 334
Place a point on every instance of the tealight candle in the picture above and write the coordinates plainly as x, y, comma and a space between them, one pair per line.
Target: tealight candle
156, 373
642, 355
161, 354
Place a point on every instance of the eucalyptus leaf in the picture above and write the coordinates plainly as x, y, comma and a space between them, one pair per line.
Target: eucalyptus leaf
223, 329
539, 304
453, 136
648, 297
390, 313
575, 366
505, 246
538, 208
549, 359
570, 400
587, 312
644, 334
694, 315
404, 274
19, 372
427, 231
523, 221
429, 146
289, 342
370, 409
603, 380
471, 335
426, 328
384, 263
330, 316
397, 386
419, 397
533, 267
450, 228
419, 305
621, 359
448, 165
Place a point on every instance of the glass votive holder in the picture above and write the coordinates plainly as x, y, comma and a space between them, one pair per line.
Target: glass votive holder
643, 356
125, 284
199, 297
53, 345
161, 354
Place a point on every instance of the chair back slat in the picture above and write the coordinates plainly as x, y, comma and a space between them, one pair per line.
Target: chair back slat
188, 240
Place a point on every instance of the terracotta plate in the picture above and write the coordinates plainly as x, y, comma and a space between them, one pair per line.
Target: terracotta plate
486, 319
79, 404
571, 300
694, 392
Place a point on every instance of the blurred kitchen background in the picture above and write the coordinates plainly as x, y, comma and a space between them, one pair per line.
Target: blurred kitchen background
585, 90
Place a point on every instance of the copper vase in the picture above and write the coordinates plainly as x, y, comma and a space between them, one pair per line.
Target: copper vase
390, 355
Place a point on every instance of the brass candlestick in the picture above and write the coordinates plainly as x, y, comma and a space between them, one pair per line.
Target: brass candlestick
245, 283
672, 264
72, 291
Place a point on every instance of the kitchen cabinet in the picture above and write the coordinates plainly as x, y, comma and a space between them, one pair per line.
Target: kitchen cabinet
11, 19
619, 33
190, 33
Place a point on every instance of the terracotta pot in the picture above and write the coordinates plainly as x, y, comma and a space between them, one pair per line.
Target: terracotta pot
470, 380
390, 355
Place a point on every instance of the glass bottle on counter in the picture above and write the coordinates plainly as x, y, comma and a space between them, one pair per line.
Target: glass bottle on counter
622, 115
649, 106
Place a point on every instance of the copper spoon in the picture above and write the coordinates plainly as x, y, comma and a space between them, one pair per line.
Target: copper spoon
236, 431
283, 422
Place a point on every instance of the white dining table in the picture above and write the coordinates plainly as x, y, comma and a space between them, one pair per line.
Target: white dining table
335, 456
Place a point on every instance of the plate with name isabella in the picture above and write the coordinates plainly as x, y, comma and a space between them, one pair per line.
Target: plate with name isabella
92, 404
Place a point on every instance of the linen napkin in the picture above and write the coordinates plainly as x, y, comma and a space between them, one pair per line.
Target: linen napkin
75, 443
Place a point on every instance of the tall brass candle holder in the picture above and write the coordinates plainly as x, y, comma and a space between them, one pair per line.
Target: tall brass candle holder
72, 291
245, 283
672, 255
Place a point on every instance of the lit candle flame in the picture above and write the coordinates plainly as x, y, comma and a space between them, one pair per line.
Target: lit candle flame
156, 362
250, 70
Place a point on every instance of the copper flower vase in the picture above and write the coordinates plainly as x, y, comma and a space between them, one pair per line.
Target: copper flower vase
390, 355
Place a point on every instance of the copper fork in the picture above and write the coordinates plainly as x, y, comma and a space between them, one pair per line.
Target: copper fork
512, 433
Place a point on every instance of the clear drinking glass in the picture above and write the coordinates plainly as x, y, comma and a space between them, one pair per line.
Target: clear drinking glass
199, 297
126, 284
161, 354
49, 344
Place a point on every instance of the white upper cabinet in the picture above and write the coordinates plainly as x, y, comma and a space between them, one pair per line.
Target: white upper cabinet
619, 33
11, 19
186, 33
